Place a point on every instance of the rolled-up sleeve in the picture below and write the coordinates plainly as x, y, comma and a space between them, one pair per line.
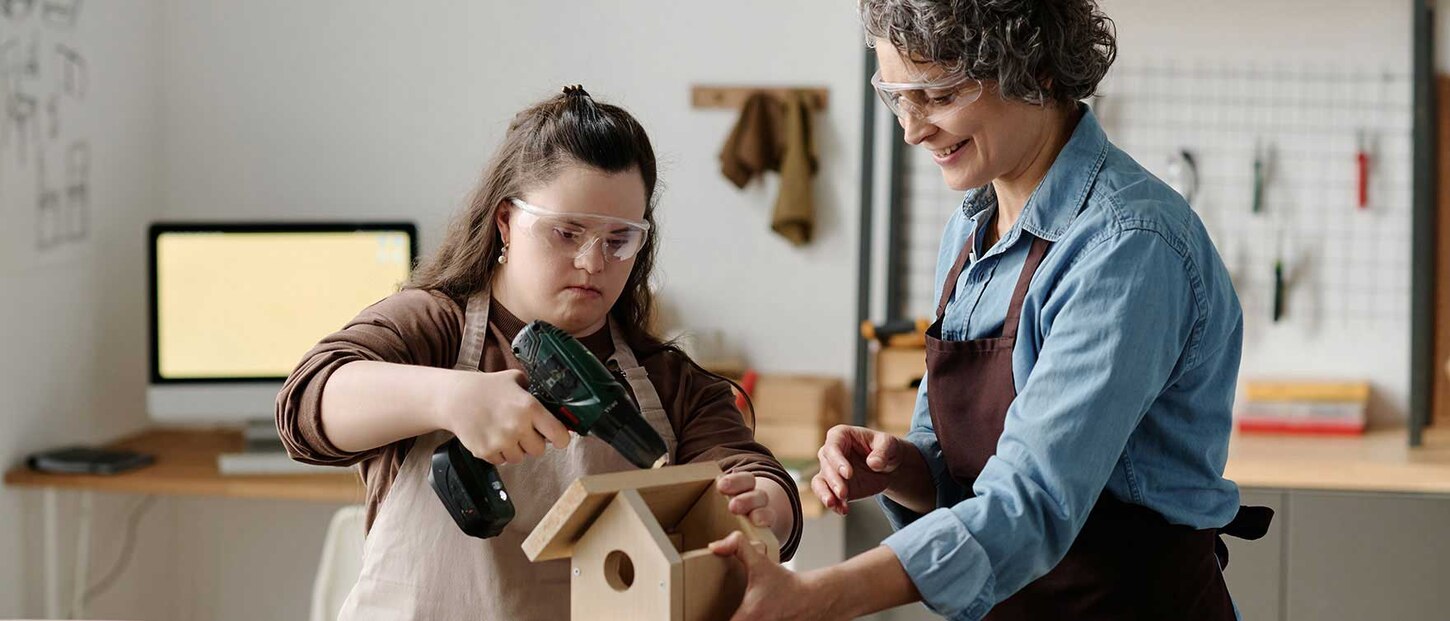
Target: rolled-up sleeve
711, 428
1117, 327
409, 327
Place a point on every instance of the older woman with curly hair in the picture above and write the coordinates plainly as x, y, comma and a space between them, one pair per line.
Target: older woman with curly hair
1066, 457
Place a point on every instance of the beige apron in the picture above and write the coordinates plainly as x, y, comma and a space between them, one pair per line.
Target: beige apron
417, 564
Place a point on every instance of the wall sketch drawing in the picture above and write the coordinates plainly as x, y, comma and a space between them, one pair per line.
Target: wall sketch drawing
52, 116
63, 214
73, 71
62, 13
21, 124
20, 75
49, 226
44, 84
16, 9
77, 190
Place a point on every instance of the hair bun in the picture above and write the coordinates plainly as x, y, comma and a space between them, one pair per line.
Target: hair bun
575, 90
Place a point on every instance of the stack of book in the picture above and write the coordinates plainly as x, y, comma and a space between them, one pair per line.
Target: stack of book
1308, 407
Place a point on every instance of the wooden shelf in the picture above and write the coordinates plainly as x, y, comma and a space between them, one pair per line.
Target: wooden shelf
734, 96
186, 465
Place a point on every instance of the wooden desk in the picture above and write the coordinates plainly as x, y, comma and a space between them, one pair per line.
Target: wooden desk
186, 465
1379, 461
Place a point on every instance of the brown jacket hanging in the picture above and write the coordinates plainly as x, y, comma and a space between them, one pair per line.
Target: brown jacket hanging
752, 147
795, 208
776, 135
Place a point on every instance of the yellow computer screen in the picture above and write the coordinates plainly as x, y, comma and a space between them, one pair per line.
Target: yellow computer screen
250, 304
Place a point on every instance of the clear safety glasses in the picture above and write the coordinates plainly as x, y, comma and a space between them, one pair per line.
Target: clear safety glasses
929, 101
576, 234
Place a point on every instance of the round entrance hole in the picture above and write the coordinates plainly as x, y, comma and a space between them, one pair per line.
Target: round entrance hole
618, 570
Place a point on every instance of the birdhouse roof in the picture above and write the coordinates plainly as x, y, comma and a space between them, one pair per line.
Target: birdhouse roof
669, 492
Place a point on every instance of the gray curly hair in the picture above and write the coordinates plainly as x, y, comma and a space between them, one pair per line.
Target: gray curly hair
1037, 51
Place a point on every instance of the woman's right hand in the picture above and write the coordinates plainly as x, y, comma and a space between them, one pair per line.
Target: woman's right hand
856, 463
496, 418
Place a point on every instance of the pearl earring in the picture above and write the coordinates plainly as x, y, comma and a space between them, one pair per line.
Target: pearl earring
503, 255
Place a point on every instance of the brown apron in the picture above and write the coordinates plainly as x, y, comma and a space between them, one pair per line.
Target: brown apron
417, 564
1128, 562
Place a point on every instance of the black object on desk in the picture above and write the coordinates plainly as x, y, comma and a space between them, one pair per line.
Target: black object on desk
87, 460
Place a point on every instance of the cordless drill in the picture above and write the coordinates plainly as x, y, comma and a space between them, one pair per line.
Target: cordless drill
573, 386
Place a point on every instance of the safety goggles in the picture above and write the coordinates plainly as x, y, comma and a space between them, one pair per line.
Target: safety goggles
576, 234
929, 101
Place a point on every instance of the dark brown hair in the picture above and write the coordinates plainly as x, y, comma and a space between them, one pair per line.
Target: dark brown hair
567, 129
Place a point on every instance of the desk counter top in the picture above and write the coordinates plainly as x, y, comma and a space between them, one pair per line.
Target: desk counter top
1379, 461
186, 465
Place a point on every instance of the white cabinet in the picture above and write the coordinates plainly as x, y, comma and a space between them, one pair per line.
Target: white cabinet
1367, 556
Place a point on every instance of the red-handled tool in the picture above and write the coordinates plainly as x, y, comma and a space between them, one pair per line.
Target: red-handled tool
747, 384
1361, 158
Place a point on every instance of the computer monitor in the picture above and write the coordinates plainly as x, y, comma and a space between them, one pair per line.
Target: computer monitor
234, 306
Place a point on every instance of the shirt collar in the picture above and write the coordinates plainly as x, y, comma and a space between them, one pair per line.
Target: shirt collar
1063, 191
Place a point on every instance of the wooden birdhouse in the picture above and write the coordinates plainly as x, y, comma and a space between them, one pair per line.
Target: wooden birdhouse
638, 544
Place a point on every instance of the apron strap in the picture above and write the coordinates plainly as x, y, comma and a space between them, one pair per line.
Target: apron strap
1019, 294
645, 395
475, 330
949, 287
1250, 523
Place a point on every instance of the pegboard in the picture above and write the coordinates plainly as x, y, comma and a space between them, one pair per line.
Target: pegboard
1344, 266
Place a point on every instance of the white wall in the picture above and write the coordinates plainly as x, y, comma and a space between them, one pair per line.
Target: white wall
71, 363
312, 110
1356, 31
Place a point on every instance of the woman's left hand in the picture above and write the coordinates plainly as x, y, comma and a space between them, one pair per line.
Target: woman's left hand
746, 498
772, 591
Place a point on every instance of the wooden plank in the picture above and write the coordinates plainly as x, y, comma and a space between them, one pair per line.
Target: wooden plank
899, 367
626, 535
799, 399
894, 408
791, 440
669, 504
186, 465
710, 519
714, 586
733, 97
582, 502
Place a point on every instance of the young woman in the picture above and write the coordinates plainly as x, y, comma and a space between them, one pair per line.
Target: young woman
561, 228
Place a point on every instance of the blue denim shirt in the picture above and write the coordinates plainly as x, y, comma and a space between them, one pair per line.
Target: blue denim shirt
1125, 365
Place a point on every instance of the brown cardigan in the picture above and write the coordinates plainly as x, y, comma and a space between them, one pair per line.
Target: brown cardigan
426, 328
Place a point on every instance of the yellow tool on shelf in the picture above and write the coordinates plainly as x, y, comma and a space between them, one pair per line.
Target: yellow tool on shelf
897, 333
